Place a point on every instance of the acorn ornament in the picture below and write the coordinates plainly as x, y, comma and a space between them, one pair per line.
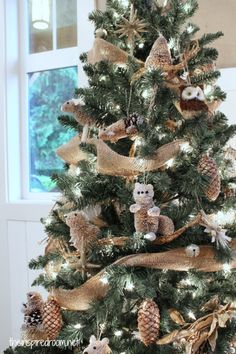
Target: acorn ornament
149, 322
52, 319
208, 167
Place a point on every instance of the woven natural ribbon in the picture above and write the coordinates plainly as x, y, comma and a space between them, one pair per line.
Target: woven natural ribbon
177, 260
111, 163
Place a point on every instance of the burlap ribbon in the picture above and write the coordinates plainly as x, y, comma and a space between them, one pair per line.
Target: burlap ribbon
177, 260
111, 163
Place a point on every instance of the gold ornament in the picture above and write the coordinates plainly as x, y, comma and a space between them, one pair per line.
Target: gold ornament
131, 28
176, 317
207, 167
149, 322
96, 287
52, 320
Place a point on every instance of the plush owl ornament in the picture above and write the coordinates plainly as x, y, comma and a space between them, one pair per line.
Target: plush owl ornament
147, 218
192, 101
97, 346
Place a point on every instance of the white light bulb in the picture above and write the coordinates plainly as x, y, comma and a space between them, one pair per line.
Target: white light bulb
146, 93
118, 333
49, 220
141, 45
129, 286
170, 163
78, 326
227, 268
104, 280
187, 7
191, 315
190, 28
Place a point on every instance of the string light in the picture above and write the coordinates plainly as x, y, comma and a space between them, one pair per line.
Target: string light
227, 268
141, 45
186, 147
191, 315
49, 220
118, 333
146, 93
77, 191
190, 28
104, 280
187, 7
129, 285
78, 326
170, 163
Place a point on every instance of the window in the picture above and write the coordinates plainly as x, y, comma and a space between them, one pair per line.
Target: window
54, 33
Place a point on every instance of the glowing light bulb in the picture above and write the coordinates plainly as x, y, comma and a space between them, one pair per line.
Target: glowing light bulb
118, 333
141, 45
190, 28
78, 326
146, 93
187, 7
129, 286
227, 268
170, 163
49, 220
104, 280
191, 315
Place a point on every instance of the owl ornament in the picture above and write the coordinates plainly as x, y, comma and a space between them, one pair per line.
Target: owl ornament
192, 101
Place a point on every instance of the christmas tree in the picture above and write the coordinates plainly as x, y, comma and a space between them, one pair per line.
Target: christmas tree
138, 258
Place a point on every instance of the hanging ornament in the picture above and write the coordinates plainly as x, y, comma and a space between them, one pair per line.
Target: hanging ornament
147, 218
101, 33
192, 101
159, 57
82, 234
122, 128
207, 167
52, 320
132, 28
76, 107
149, 322
97, 346
192, 251
217, 234
33, 329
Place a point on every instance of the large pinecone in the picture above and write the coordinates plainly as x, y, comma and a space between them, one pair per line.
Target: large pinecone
52, 320
148, 322
207, 167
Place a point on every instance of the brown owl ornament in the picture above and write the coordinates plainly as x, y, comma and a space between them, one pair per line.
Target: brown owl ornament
192, 101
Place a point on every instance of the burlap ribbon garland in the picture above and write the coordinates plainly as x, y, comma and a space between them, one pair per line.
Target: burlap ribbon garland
111, 163
177, 260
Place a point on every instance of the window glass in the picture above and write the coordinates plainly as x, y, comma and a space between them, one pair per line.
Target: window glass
66, 15
47, 91
40, 26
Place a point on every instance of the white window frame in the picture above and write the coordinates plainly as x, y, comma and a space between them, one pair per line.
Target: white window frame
17, 88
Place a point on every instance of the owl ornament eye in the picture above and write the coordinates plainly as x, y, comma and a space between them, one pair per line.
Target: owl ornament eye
190, 93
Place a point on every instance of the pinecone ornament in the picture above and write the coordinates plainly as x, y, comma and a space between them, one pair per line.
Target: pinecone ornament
52, 320
148, 322
33, 319
207, 167
134, 120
